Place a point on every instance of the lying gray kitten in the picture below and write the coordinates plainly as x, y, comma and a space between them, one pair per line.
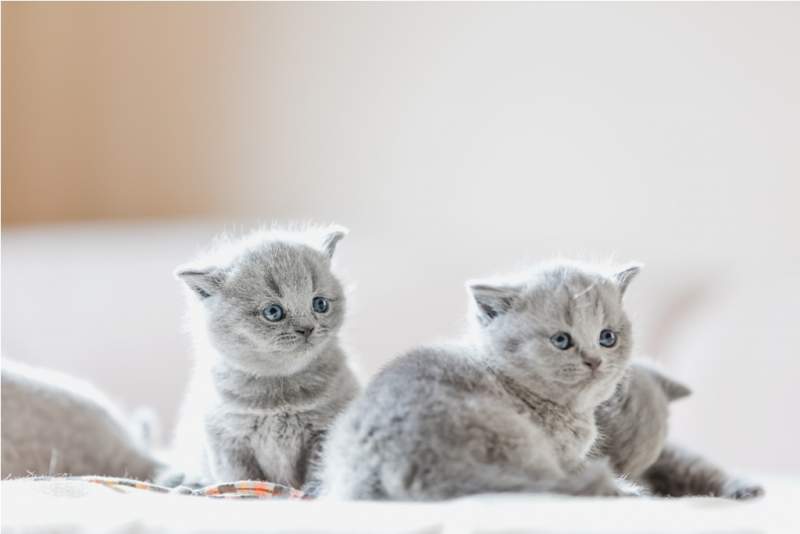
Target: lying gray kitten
270, 374
633, 425
513, 411
54, 424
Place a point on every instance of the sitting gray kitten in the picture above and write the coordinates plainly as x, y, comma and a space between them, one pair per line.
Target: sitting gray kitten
511, 411
54, 424
633, 425
270, 374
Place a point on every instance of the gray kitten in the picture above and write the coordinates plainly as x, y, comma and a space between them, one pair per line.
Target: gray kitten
54, 424
512, 410
270, 374
633, 425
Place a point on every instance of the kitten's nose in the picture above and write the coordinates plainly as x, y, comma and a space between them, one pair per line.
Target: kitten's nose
592, 363
305, 331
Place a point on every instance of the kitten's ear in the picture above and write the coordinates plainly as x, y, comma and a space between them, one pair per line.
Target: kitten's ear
492, 300
331, 238
624, 277
673, 389
204, 282
676, 390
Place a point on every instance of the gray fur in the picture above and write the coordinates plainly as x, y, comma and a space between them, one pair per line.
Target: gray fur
634, 424
263, 393
678, 472
505, 411
54, 424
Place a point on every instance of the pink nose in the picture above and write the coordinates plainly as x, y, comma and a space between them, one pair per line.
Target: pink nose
592, 363
305, 331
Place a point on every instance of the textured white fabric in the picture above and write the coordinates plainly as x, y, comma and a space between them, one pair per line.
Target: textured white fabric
74, 507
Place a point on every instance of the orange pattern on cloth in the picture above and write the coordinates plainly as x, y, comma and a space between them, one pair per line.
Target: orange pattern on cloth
245, 489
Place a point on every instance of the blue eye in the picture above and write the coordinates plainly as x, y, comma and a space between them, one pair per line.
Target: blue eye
273, 312
320, 304
608, 338
561, 340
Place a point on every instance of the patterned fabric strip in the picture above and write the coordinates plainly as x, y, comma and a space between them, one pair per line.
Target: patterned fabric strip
245, 489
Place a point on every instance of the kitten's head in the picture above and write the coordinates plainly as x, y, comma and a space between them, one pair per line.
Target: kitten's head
269, 300
561, 330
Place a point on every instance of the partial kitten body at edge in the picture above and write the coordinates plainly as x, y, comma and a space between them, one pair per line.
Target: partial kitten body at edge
270, 375
633, 428
55, 424
510, 410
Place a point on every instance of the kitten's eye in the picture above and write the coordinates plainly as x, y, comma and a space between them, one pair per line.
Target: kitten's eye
608, 338
273, 312
561, 340
320, 304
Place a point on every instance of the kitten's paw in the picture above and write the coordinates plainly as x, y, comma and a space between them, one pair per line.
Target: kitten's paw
626, 488
740, 489
597, 479
312, 488
170, 478
175, 479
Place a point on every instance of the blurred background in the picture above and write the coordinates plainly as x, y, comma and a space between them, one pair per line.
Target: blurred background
454, 140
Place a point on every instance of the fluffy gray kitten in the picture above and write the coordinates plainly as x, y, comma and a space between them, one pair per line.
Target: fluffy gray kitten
270, 374
510, 410
54, 424
633, 422
633, 425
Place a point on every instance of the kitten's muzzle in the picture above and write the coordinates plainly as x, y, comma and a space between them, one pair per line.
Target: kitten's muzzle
592, 363
305, 331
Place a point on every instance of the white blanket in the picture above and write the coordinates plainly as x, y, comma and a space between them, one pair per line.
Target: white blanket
77, 507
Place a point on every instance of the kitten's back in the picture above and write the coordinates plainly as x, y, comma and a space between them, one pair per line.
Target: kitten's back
55, 424
397, 441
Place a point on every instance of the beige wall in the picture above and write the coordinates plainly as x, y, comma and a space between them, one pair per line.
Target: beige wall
115, 110
138, 110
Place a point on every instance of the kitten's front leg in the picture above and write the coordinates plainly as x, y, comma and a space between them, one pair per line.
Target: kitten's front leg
678, 472
596, 478
311, 464
231, 461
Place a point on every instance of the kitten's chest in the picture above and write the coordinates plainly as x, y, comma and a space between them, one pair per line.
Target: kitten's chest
280, 443
571, 435
574, 439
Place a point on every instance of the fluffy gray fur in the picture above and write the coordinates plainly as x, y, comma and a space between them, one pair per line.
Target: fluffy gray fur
264, 392
634, 424
505, 411
54, 424
679, 472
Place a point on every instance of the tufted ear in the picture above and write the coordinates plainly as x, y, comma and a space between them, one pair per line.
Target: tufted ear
331, 238
624, 277
204, 282
492, 300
